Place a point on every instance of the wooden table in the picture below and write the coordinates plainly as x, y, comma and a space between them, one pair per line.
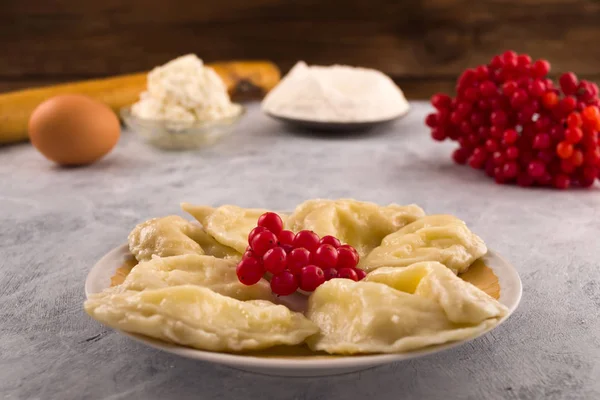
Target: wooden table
423, 44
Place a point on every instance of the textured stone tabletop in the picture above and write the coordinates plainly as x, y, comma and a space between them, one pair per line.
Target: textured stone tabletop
55, 223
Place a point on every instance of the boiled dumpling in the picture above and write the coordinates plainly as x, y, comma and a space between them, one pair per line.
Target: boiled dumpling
207, 271
429, 305
229, 225
172, 236
442, 238
463, 302
360, 224
198, 317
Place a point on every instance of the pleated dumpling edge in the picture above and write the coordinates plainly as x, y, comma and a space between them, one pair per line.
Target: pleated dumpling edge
399, 309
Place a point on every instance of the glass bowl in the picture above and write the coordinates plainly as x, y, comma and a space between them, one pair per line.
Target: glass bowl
177, 135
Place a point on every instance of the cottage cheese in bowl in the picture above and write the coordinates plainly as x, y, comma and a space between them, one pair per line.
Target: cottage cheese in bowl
185, 90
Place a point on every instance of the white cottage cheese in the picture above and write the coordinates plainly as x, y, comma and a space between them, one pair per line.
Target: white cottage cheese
185, 90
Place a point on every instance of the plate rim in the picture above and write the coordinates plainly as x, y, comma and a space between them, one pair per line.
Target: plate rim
509, 276
336, 126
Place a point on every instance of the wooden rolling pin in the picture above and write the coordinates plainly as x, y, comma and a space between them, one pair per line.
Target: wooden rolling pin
244, 80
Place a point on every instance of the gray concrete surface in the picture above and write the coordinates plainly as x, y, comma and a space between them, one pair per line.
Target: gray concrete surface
55, 223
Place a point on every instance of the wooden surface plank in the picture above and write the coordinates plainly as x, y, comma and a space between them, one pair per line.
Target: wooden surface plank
417, 41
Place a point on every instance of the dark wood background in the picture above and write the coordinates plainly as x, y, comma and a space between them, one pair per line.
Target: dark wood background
423, 44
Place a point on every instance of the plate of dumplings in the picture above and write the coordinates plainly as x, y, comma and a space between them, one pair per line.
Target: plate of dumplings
431, 284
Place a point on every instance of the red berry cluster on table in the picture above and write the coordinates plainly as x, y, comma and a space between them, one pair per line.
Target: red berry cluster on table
296, 260
515, 123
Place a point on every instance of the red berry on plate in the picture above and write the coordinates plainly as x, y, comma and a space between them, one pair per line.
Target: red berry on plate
271, 221
298, 259
311, 277
361, 274
348, 273
284, 283
332, 240
262, 242
254, 232
275, 260
286, 237
249, 271
287, 247
347, 246
249, 253
330, 273
347, 257
326, 256
306, 239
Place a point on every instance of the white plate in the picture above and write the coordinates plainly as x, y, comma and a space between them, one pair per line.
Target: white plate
99, 278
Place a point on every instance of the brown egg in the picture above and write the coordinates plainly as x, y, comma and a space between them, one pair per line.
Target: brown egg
73, 129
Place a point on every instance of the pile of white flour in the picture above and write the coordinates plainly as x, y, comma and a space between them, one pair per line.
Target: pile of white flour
336, 93
185, 90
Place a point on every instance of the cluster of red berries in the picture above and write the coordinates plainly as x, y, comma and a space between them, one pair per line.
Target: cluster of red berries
512, 121
296, 261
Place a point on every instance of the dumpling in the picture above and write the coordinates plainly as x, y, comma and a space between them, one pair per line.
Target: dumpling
198, 317
428, 305
229, 225
206, 271
442, 238
360, 224
172, 236
463, 302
